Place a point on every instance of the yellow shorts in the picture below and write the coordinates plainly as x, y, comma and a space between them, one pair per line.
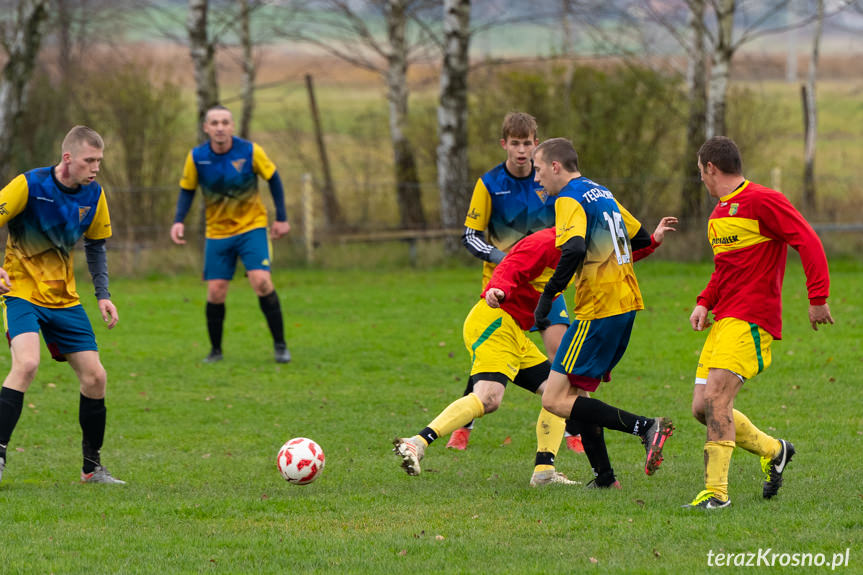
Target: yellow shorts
497, 344
735, 345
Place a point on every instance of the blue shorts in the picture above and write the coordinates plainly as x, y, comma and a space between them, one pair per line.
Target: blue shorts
65, 330
591, 348
220, 255
558, 315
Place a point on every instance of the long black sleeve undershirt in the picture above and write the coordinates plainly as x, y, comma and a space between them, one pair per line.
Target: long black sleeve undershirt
97, 263
640, 240
571, 256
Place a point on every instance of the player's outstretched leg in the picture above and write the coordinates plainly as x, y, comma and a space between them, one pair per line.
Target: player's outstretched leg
653, 441
411, 450
774, 468
459, 438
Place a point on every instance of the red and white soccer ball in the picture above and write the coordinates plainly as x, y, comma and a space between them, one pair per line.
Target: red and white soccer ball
300, 461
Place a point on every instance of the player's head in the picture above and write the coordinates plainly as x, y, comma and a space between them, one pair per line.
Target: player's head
717, 159
219, 124
518, 138
555, 162
723, 153
82, 151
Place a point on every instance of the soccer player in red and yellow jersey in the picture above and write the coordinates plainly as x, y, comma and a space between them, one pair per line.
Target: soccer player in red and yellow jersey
749, 230
596, 237
47, 211
227, 168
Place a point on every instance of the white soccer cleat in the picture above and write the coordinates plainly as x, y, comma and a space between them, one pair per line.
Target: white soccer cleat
411, 450
550, 476
100, 475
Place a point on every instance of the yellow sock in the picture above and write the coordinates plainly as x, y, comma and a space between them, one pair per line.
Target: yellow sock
753, 439
457, 414
717, 459
549, 434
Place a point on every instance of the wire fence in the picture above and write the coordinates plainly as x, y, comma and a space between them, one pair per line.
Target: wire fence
142, 218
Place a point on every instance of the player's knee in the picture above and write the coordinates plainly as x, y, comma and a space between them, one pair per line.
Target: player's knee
26, 369
93, 382
549, 404
491, 402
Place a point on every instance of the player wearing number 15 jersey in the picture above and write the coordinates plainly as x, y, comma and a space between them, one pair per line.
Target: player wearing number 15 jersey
596, 237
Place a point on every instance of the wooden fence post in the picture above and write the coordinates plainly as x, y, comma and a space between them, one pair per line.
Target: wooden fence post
308, 218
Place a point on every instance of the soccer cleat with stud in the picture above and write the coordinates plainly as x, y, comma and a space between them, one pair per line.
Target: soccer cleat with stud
411, 450
549, 477
707, 500
592, 484
214, 356
283, 354
653, 440
773, 468
2, 467
100, 475
458, 439
573, 443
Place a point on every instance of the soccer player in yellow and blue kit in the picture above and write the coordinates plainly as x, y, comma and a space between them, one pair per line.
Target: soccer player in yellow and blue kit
227, 169
47, 211
596, 237
509, 205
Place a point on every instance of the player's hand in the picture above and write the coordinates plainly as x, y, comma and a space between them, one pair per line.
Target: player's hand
819, 314
109, 312
699, 320
540, 314
5, 282
178, 231
494, 296
279, 229
664, 225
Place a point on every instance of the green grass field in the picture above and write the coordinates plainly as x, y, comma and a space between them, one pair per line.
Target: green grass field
378, 355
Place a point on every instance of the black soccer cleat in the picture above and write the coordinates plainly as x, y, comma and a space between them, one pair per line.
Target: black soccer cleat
774, 468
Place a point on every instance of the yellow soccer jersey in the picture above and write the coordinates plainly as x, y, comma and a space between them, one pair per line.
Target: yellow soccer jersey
229, 183
605, 284
45, 222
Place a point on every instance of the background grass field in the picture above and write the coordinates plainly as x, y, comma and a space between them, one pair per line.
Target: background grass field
378, 355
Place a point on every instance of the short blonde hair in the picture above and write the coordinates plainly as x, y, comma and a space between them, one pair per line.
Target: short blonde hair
82, 135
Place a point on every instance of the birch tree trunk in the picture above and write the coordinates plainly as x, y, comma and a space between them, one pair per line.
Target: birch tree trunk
203, 54
720, 71
21, 40
810, 119
249, 70
452, 161
692, 192
407, 178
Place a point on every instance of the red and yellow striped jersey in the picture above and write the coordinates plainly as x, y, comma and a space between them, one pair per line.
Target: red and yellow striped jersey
750, 230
